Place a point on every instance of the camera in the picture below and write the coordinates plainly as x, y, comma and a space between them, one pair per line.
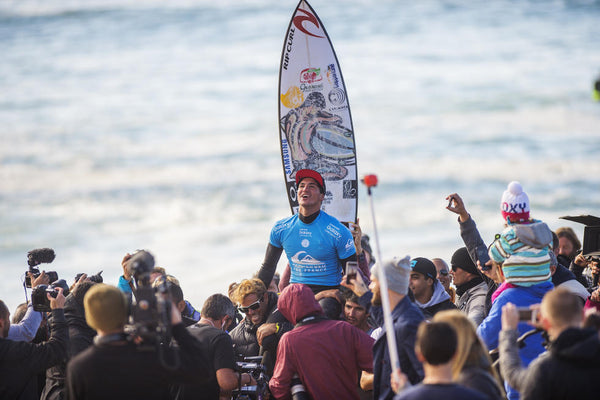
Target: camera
151, 312
94, 278
36, 257
527, 314
40, 301
260, 391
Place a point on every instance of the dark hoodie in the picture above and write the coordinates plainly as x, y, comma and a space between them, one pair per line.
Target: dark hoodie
81, 336
568, 370
327, 355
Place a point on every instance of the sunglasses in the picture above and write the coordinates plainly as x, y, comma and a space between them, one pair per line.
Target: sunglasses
444, 272
254, 306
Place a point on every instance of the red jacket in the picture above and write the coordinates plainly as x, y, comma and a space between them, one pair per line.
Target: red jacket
327, 355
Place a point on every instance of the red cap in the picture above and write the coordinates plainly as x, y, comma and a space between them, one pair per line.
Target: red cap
309, 173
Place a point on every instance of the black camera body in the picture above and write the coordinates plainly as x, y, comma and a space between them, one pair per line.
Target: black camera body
36, 257
151, 313
94, 278
40, 301
260, 391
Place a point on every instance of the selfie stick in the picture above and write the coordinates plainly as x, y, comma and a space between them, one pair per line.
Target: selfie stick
371, 181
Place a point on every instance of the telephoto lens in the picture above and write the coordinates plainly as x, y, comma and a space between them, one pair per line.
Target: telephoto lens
297, 389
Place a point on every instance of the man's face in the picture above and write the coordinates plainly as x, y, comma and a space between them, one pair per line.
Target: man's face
355, 314
256, 316
460, 276
418, 284
442, 273
309, 193
374, 286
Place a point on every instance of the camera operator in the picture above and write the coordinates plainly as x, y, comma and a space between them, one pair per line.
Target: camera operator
81, 336
20, 361
569, 368
217, 314
26, 330
578, 267
140, 373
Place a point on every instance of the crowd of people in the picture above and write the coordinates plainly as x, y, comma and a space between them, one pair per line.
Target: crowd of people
518, 318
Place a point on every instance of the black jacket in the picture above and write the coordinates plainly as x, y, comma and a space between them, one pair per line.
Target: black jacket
81, 336
21, 361
118, 369
244, 334
568, 370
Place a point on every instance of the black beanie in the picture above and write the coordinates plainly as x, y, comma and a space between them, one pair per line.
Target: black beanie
462, 260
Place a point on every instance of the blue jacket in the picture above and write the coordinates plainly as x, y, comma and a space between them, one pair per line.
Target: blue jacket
492, 325
407, 317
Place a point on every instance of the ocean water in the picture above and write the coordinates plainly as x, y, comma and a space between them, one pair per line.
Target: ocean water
151, 124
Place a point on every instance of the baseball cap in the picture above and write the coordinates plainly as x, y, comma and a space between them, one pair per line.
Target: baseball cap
424, 266
309, 173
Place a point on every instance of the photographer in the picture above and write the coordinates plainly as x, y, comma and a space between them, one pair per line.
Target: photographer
217, 314
578, 267
26, 329
20, 361
140, 374
81, 336
569, 368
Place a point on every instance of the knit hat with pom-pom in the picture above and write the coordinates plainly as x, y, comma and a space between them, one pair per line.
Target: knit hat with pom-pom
515, 204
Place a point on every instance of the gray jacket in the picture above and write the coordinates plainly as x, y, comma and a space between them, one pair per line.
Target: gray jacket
472, 303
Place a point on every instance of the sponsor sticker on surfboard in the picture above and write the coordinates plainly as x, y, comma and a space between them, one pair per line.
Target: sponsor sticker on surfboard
314, 115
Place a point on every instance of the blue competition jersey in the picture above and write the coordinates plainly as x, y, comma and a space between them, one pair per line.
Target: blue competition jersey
314, 250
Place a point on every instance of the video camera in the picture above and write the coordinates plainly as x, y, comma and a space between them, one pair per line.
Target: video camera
151, 312
260, 391
591, 235
40, 301
36, 257
591, 238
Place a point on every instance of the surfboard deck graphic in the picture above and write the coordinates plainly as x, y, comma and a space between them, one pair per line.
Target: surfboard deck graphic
315, 123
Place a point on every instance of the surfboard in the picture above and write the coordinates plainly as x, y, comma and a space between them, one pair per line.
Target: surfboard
315, 124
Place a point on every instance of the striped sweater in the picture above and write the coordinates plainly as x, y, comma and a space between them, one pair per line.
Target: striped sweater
523, 251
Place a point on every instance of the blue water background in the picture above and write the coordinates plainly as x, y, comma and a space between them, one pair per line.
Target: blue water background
152, 124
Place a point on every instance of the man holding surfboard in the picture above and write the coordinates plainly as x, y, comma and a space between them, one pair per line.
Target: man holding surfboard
317, 245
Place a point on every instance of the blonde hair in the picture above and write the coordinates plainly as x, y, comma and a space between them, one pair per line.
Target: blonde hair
106, 308
470, 349
249, 286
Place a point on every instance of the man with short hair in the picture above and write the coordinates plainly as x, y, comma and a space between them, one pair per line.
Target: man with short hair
443, 275
569, 369
406, 318
429, 293
435, 347
141, 373
20, 362
470, 287
317, 245
217, 314
356, 311
326, 355
263, 325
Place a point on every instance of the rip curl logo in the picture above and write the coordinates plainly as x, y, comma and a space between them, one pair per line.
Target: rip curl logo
299, 19
516, 208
